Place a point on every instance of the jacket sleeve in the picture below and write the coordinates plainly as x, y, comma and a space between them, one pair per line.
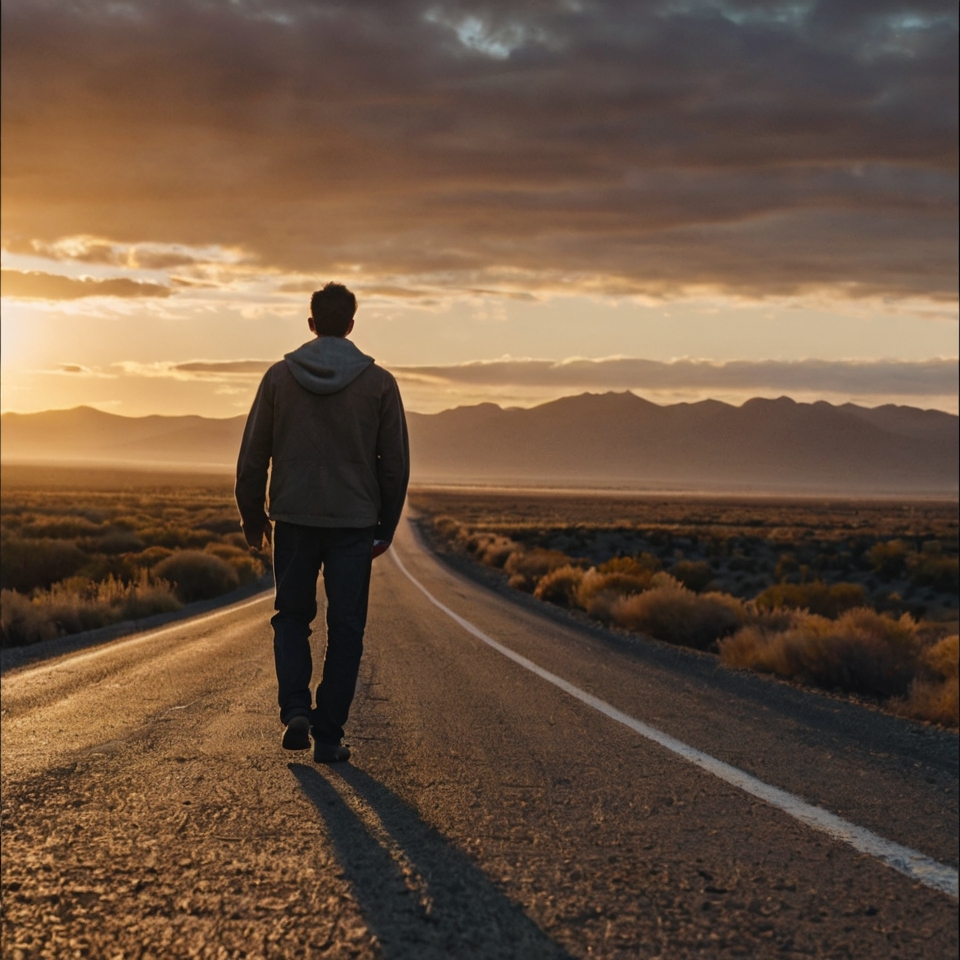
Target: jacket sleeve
255, 451
393, 461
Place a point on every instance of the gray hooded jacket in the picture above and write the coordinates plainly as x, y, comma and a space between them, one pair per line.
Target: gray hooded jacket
328, 423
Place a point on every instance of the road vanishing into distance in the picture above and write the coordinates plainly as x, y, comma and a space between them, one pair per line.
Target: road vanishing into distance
521, 787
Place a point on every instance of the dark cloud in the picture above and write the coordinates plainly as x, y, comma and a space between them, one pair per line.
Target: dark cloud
759, 147
150, 260
862, 378
49, 286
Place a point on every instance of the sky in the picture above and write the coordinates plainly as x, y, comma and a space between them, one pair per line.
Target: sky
684, 198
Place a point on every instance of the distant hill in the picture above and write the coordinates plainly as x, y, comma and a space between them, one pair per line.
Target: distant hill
87, 435
619, 439
611, 440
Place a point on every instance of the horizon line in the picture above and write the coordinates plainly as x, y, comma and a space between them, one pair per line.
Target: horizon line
492, 403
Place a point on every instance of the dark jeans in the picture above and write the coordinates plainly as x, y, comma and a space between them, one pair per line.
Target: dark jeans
299, 553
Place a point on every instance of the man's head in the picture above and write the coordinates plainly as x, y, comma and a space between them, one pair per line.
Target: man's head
332, 310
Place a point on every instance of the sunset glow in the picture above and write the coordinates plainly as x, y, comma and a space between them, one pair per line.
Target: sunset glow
766, 188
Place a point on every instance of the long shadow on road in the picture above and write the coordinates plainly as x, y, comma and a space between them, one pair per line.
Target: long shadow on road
420, 896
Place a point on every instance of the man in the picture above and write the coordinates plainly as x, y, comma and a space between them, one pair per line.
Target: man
328, 423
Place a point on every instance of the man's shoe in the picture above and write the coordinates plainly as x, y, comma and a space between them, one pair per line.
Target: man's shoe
297, 734
330, 752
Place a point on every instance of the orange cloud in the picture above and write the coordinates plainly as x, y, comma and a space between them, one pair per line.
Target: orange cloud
48, 286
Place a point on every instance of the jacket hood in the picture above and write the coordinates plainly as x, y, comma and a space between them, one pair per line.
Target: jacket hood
327, 364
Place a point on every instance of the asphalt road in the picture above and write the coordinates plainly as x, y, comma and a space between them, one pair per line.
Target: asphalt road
148, 810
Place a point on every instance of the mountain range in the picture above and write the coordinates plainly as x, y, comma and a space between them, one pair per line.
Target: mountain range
591, 440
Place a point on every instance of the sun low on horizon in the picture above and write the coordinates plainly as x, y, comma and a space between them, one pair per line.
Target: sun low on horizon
722, 199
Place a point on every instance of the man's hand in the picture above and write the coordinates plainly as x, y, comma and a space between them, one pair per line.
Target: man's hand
258, 531
380, 547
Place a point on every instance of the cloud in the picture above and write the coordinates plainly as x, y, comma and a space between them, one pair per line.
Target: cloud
858, 378
33, 285
215, 371
225, 367
80, 370
929, 378
754, 147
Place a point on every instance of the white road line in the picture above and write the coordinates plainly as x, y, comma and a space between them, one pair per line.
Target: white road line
913, 864
66, 660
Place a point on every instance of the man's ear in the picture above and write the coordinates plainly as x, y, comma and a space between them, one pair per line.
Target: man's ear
349, 329
311, 325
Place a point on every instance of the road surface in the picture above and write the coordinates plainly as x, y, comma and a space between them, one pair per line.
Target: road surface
520, 787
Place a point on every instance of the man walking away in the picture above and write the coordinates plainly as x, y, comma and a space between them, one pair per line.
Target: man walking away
328, 424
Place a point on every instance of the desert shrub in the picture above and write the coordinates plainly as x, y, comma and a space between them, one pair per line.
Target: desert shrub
128, 601
890, 559
248, 568
526, 567
446, 526
72, 607
671, 612
695, 575
151, 556
175, 538
939, 572
119, 566
225, 551
472, 540
933, 701
28, 564
817, 597
128, 521
861, 652
489, 548
495, 551
600, 588
221, 526
649, 562
117, 541
560, 586
159, 536
933, 695
197, 576
942, 659
147, 599
60, 528
776, 620
644, 565
23, 622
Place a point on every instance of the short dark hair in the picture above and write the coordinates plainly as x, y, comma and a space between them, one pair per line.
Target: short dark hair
332, 309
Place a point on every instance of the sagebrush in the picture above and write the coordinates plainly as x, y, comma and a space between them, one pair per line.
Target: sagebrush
831, 633
81, 549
